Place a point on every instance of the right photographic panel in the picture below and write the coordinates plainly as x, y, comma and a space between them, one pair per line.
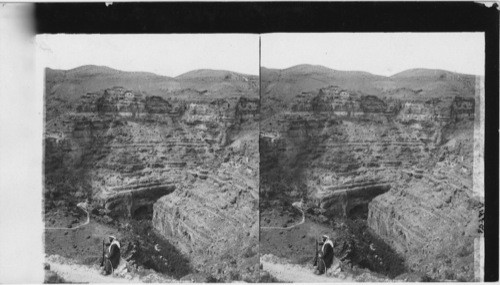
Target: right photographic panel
371, 157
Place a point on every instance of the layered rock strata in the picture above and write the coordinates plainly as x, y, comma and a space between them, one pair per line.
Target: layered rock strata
136, 140
395, 151
190, 149
216, 208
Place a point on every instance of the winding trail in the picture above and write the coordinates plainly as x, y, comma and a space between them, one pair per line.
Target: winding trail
292, 226
86, 274
72, 272
79, 226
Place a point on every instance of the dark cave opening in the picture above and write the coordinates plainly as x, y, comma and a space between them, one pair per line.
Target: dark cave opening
151, 251
359, 212
369, 251
372, 252
144, 212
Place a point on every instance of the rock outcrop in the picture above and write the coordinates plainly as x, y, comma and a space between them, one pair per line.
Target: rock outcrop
432, 216
214, 216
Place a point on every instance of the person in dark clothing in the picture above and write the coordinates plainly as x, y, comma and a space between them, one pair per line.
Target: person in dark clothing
325, 256
112, 258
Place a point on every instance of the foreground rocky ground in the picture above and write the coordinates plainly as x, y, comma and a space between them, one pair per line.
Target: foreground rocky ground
383, 164
168, 165
62, 270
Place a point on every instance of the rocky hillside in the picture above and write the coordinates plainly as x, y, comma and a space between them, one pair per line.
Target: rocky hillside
180, 153
393, 152
281, 87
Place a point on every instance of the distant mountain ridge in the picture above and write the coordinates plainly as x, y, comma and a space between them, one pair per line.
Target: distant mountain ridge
94, 70
72, 83
310, 68
211, 73
101, 69
306, 77
426, 72
296, 69
422, 83
280, 87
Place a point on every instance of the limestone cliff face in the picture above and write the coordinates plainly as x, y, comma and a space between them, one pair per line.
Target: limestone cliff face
431, 215
186, 159
400, 159
343, 161
354, 135
135, 149
214, 215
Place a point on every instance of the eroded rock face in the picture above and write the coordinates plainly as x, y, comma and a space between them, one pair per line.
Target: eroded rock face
431, 216
336, 157
341, 200
190, 149
214, 215
139, 145
395, 152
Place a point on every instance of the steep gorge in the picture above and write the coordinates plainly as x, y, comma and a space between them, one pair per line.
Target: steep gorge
399, 161
189, 153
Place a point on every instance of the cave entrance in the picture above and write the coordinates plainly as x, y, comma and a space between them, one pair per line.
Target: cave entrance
370, 251
144, 212
359, 212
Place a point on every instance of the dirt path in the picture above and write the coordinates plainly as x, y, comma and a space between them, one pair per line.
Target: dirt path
74, 228
86, 274
298, 274
289, 227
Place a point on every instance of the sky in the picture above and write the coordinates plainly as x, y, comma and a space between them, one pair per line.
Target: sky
377, 53
174, 54
169, 55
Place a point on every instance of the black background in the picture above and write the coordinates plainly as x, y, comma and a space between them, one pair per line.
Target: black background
248, 17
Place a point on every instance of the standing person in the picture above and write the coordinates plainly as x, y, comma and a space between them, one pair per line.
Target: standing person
325, 256
111, 259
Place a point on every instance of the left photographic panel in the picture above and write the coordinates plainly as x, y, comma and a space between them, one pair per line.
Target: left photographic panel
150, 157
